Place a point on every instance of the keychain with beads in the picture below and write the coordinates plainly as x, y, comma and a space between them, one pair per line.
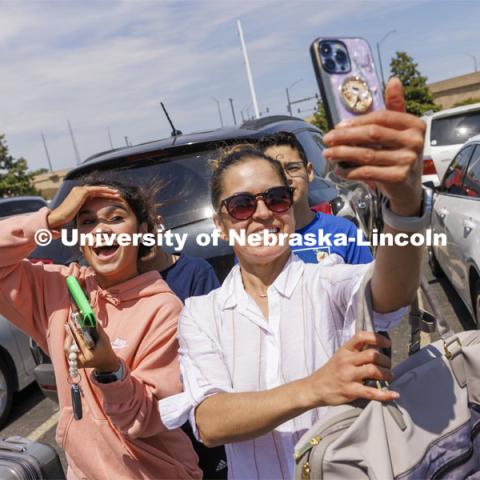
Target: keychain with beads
74, 381
74, 378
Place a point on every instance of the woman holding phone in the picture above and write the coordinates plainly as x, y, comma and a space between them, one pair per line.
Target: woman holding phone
134, 364
263, 356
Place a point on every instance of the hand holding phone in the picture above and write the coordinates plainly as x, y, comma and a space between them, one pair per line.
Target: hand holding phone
347, 79
83, 318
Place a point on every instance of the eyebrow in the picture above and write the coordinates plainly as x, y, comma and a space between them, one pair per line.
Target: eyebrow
111, 208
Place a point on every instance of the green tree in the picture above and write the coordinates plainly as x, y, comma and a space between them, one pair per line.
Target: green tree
320, 118
14, 176
467, 101
418, 97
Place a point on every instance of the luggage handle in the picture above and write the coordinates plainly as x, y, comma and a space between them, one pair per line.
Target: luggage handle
12, 447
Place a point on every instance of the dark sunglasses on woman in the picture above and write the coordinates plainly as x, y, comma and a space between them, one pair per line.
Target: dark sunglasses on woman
242, 206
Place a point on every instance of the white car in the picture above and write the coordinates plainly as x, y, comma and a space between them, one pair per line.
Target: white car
446, 132
16, 361
456, 213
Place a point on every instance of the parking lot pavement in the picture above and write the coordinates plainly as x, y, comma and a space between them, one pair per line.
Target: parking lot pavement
448, 304
34, 416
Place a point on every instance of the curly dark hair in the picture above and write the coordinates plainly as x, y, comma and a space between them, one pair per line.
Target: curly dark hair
141, 200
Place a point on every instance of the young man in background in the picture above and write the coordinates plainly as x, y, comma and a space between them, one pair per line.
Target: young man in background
285, 148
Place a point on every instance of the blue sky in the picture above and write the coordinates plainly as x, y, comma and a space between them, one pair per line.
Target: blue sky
108, 64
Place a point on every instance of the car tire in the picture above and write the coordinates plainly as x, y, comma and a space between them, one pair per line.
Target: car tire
6, 391
476, 300
434, 265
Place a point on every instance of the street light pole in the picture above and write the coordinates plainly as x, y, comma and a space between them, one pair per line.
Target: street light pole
219, 111
474, 58
249, 72
47, 153
380, 56
289, 103
233, 111
289, 106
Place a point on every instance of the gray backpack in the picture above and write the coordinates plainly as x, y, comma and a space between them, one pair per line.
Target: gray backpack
430, 432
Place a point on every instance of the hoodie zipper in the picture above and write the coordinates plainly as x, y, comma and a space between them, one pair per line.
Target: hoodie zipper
463, 458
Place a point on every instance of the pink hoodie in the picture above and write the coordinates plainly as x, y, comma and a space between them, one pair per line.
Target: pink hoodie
121, 435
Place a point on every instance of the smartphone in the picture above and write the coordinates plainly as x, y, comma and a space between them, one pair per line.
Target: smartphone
346, 76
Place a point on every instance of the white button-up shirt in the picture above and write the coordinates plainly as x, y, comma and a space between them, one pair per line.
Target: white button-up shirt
226, 345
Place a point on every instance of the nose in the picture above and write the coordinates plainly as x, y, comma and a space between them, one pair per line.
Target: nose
262, 212
102, 227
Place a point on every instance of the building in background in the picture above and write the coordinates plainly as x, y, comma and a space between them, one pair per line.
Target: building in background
48, 183
448, 93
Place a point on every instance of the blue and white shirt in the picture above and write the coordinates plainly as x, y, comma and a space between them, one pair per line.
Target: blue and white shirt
332, 229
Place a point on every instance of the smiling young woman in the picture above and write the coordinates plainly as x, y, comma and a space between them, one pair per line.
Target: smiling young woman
266, 353
134, 363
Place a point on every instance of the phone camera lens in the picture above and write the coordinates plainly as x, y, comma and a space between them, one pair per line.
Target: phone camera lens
330, 65
326, 49
340, 56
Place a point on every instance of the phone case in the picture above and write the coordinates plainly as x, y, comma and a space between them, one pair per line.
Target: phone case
336, 88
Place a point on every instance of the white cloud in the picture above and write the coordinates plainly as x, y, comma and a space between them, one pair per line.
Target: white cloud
109, 63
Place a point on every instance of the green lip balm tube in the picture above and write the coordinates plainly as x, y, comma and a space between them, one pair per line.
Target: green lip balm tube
87, 316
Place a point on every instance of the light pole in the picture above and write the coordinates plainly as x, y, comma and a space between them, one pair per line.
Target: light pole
380, 56
249, 72
474, 58
289, 103
219, 111
233, 111
243, 110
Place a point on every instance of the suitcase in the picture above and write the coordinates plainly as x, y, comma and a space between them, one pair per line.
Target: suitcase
22, 459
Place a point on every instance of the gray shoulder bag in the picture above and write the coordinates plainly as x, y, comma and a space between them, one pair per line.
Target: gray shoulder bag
430, 432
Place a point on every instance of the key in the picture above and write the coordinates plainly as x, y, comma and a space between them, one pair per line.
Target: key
76, 401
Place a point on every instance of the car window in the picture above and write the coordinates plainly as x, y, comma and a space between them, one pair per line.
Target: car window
452, 182
313, 145
16, 207
181, 186
454, 130
471, 181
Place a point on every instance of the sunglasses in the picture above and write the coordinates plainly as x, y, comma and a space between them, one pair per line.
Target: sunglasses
242, 206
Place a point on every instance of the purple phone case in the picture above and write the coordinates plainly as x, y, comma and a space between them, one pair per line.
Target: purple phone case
362, 66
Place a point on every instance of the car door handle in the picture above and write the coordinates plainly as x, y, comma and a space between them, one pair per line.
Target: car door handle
468, 226
442, 213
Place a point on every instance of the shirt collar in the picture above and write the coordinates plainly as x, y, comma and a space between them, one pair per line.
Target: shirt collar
285, 283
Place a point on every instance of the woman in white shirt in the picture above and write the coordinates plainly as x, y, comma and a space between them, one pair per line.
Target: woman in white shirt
265, 354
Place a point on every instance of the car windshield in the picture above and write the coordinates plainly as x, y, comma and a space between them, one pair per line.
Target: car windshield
454, 130
16, 207
181, 184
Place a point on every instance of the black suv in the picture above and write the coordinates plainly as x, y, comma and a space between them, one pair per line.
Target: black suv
180, 164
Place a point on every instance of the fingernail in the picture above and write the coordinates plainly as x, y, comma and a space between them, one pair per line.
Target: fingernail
395, 395
328, 138
344, 123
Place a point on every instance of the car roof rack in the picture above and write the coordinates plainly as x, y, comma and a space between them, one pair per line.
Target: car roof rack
262, 122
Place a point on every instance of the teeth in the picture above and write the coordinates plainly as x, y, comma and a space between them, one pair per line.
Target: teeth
268, 230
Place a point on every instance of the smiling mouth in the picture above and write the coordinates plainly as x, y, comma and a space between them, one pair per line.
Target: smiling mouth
105, 252
268, 230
